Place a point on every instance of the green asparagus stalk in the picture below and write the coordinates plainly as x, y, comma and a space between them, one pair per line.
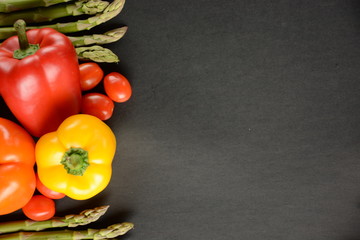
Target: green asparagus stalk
109, 232
96, 54
108, 37
110, 12
16, 5
85, 217
47, 14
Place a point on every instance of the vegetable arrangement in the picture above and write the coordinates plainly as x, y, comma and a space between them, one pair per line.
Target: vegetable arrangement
61, 146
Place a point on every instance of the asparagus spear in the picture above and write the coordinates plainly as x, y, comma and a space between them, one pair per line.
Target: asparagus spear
46, 14
96, 54
108, 37
15, 5
110, 12
85, 217
109, 232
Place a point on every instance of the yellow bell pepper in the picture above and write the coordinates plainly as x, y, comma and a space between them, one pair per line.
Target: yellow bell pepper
76, 159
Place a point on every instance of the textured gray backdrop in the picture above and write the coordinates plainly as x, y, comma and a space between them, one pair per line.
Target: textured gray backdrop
244, 121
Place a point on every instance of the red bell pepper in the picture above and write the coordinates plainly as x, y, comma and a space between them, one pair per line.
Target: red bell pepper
40, 78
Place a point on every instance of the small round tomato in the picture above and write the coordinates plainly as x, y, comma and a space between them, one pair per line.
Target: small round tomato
117, 87
98, 105
90, 75
39, 208
46, 191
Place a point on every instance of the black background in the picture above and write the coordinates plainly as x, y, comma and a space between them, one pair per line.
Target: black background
243, 124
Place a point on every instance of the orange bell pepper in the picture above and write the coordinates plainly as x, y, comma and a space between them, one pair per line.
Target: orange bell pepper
17, 159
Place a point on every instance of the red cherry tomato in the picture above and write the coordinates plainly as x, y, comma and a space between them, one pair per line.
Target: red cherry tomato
39, 208
46, 191
98, 105
90, 75
117, 87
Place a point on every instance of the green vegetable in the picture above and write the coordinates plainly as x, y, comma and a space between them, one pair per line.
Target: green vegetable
108, 37
109, 232
15, 5
46, 14
96, 54
110, 12
85, 217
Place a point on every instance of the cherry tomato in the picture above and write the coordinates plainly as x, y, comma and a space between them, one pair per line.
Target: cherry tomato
90, 75
17, 160
98, 105
39, 208
46, 191
117, 87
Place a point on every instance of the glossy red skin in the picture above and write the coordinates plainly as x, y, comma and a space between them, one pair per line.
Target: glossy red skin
98, 105
17, 159
39, 208
90, 75
46, 191
42, 89
117, 87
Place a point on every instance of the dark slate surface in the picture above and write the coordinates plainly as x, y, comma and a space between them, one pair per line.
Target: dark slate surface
244, 121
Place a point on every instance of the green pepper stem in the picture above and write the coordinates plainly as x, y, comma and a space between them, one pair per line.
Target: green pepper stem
20, 27
26, 49
75, 161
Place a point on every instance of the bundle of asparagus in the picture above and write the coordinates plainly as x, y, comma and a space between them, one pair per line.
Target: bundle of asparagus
40, 13
28, 229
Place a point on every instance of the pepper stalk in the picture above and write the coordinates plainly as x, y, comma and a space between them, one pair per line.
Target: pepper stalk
26, 49
75, 161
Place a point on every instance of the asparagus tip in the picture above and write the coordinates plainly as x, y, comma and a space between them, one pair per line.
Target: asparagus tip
116, 229
87, 216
